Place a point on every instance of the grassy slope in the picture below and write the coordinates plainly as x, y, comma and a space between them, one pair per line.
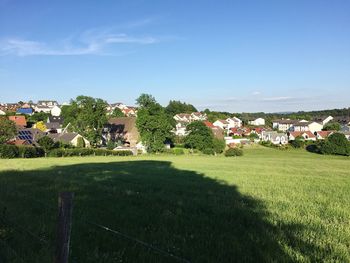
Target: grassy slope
268, 205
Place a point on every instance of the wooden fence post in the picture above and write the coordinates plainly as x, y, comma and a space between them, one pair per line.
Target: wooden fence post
65, 209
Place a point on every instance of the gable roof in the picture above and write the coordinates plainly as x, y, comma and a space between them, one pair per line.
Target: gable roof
18, 120
31, 135
301, 133
209, 124
65, 137
58, 119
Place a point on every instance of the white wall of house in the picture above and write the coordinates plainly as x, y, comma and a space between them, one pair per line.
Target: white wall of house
315, 127
220, 124
258, 122
2, 112
56, 111
300, 128
75, 141
234, 122
42, 109
326, 120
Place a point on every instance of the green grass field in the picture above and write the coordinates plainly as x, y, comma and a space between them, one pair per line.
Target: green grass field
267, 206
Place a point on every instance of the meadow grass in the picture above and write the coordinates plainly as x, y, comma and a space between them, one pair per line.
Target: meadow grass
266, 206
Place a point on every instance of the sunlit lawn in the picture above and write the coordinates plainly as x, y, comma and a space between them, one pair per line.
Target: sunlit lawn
269, 205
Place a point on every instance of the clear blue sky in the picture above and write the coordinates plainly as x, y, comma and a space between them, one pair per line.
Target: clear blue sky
226, 55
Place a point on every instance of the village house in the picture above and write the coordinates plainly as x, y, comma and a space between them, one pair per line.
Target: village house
27, 111
121, 129
234, 122
27, 136
306, 135
198, 116
55, 111
274, 137
180, 129
20, 121
68, 138
257, 122
2, 113
321, 135
283, 124
223, 124
217, 131
183, 117
46, 106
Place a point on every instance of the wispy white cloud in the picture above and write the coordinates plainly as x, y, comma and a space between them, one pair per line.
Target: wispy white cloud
255, 93
277, 99
91, 42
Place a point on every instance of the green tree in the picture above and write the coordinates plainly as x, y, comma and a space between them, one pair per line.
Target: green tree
335, 144
332, 126
175, 107
146, 100
153, 124
38, 116
47, 144
117, 113
199, 136
218, 145
7, 130
80, 142
87, 116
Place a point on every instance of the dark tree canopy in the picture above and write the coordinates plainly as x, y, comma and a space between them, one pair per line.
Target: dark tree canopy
117, 113
153, 124
199, 136
145, 100
87, 116
7, 130
332, 126
175, 107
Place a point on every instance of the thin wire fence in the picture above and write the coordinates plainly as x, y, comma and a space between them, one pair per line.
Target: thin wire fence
8, 220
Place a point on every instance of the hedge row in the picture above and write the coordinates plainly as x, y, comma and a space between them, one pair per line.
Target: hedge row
13, 151
85, 152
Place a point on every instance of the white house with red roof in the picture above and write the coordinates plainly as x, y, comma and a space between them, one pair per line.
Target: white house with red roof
307, 135
234, 122
223, 124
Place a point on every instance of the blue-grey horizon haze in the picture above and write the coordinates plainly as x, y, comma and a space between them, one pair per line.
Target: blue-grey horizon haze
236, 56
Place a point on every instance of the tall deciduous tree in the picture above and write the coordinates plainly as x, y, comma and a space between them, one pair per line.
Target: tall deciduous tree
153, 123
199, 137
117, 113
175, 107
87, 116
7, 130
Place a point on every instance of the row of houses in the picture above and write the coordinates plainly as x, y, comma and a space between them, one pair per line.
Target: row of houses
300, 125
52, 107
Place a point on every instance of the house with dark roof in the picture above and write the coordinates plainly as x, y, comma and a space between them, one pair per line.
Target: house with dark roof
58, 119
121, 129
69, 138
27, 136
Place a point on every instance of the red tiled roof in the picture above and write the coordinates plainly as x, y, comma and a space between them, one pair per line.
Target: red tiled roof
324, 134
300, 133
18, 120
208, 124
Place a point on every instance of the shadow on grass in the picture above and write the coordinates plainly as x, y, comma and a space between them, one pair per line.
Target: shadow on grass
184, 212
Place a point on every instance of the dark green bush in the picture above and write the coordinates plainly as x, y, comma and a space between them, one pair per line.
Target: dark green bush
209, 151
233, 152
56, 152
27, 152
335, 144
8, 151
178, 151
297, 143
